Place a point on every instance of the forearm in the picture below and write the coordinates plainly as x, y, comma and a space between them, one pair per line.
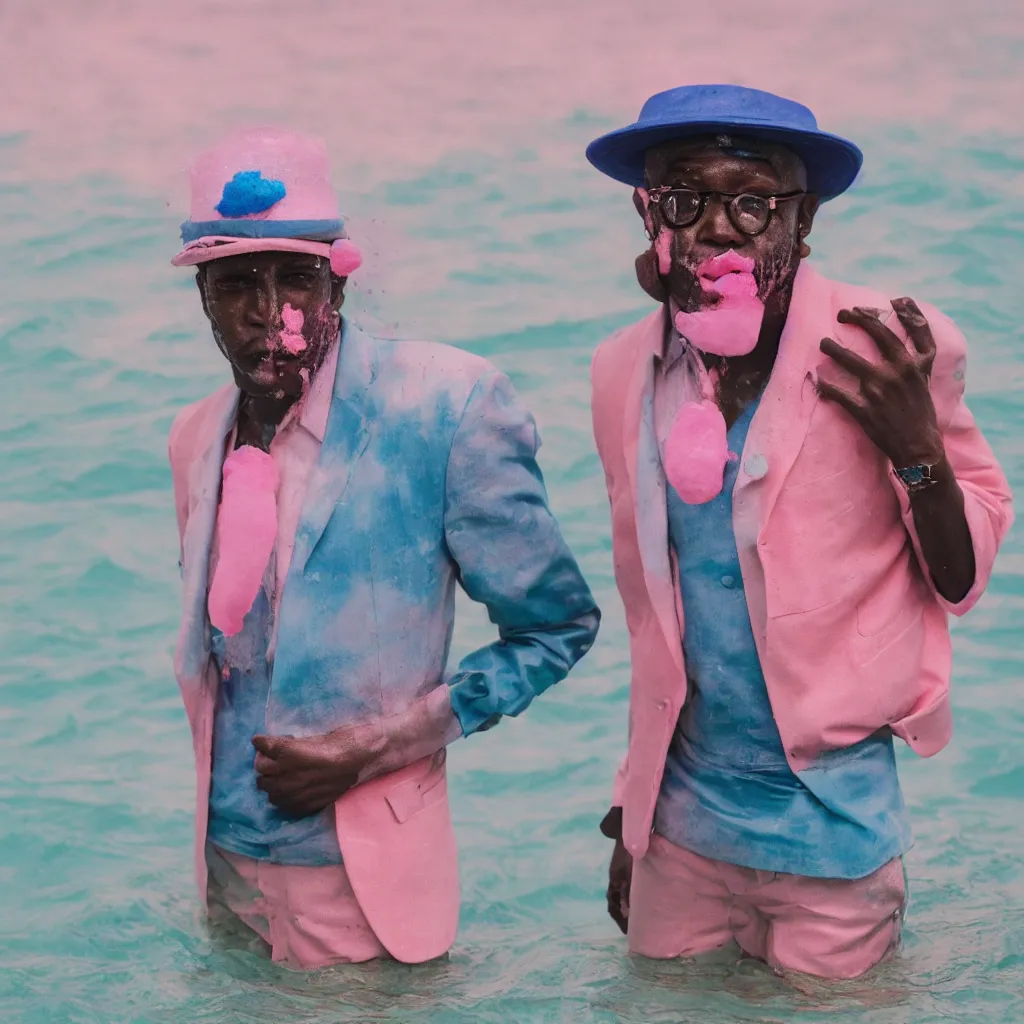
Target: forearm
503, 678
426, 726
497, 680
944, 535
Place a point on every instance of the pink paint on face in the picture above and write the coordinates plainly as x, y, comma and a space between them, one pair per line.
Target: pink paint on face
731, 326
663, 247
291, 337
246, 533
646, 200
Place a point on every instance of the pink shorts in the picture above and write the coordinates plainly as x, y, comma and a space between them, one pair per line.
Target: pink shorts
308, 916
682, 904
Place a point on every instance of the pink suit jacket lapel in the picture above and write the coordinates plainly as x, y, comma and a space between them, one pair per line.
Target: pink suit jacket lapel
773, 443
647, 483
204, 473
783, 416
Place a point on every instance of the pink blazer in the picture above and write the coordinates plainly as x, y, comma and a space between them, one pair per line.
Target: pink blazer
395, 831
851, 633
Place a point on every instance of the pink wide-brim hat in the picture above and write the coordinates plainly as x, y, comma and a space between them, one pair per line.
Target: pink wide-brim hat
264, 189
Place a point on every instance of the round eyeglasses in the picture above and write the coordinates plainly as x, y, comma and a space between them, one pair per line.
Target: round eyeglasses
750, 214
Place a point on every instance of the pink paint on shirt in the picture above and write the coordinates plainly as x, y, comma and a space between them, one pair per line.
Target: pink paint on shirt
732, 325
246, 532
291, 336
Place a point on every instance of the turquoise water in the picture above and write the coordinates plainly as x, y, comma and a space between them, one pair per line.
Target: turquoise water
504, 242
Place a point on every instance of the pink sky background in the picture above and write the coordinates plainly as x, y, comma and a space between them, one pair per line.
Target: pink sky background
131, 90
134, 87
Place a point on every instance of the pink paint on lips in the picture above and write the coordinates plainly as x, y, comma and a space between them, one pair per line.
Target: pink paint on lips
725, 263
246, 532
731, 326
291, 337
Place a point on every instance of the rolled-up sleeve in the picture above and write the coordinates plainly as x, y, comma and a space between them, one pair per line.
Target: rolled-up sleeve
988, 501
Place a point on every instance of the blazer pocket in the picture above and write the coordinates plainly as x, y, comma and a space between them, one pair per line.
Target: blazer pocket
806, 543
409, 798
894, 651
892, 605
890, 628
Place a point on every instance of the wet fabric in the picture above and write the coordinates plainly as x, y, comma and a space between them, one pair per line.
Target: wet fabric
309, 916
728, 792
682, 904
242, 818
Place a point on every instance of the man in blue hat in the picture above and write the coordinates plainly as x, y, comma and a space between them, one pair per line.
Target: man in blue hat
800, 498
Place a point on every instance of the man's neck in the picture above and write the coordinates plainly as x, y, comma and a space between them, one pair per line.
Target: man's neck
258, 419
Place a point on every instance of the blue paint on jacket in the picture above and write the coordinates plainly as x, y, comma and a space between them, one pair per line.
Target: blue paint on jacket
427, 479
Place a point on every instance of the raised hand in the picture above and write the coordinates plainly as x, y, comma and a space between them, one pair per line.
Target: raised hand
892, 403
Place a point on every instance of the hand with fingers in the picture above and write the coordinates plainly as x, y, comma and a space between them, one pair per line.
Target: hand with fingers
892, 402
620, 875
620, 870
303, 776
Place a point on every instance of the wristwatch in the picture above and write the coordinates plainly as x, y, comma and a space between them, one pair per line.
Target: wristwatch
917, 478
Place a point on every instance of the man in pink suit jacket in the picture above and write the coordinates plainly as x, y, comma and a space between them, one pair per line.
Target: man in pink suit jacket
800, 498
330, 501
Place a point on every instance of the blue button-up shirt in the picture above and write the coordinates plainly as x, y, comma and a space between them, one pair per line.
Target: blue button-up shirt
242, 818
728, 792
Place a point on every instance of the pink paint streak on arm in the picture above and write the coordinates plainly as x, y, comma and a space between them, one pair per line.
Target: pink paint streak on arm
730, 262
291, 336
246, 533
422, 729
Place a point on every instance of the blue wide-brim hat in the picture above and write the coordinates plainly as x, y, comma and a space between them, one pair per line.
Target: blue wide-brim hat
832, 162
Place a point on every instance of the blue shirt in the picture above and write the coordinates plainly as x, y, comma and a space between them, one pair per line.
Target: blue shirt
728, 792
242, 818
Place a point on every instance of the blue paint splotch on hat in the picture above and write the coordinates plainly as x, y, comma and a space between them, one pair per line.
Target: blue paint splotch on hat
249, 192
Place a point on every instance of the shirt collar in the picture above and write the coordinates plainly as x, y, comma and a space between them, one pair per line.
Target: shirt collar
316, 406
673, 344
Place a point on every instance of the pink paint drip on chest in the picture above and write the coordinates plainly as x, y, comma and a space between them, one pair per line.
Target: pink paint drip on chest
696, 452
246, 534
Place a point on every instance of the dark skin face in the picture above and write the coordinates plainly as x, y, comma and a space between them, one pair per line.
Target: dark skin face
704, 166
243, 296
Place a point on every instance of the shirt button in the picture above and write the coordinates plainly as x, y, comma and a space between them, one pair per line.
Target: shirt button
755, 466
728, 582
662, 705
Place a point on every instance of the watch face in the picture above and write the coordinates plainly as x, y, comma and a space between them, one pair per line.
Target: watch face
913, 475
